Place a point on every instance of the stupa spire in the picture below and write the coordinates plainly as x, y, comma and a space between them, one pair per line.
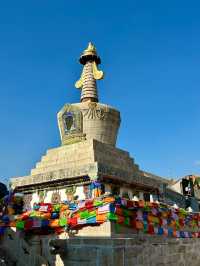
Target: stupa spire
87, 82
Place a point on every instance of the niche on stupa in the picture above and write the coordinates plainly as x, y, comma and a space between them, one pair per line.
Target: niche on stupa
70, 122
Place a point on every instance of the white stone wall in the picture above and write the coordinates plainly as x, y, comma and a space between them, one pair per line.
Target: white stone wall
62, 191
124, 191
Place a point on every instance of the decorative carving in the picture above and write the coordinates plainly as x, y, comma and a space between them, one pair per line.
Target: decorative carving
42, 194
70, 191
87, 191
72, 120
27, 201
94, 111
55, 198
70, 123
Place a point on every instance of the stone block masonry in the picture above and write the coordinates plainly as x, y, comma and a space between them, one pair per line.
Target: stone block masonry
134, 251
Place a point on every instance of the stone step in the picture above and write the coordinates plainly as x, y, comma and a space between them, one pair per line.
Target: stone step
81, 154
82, 158
67, 159
122, 165
59, 166
127, 162
55, 157
48, 160
64, 161
66, 148
70, 152
111, 152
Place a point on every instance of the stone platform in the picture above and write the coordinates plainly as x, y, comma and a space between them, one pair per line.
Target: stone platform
87, 158
75, 160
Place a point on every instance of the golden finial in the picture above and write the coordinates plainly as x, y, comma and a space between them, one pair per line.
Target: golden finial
90, 73
90, 54
91, 50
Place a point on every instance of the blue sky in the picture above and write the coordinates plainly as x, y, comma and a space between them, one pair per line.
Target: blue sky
150, 54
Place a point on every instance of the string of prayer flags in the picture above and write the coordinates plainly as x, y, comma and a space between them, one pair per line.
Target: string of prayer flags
148, 217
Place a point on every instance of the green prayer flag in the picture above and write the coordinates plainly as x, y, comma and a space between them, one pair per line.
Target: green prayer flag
62, 221
20, 225
112, 216
98, 203
92, 214
56, 208
84, 214
127, 221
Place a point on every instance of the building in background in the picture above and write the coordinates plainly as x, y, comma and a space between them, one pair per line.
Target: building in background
189, 187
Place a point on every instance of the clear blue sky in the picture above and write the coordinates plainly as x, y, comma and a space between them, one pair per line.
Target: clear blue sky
150, 53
